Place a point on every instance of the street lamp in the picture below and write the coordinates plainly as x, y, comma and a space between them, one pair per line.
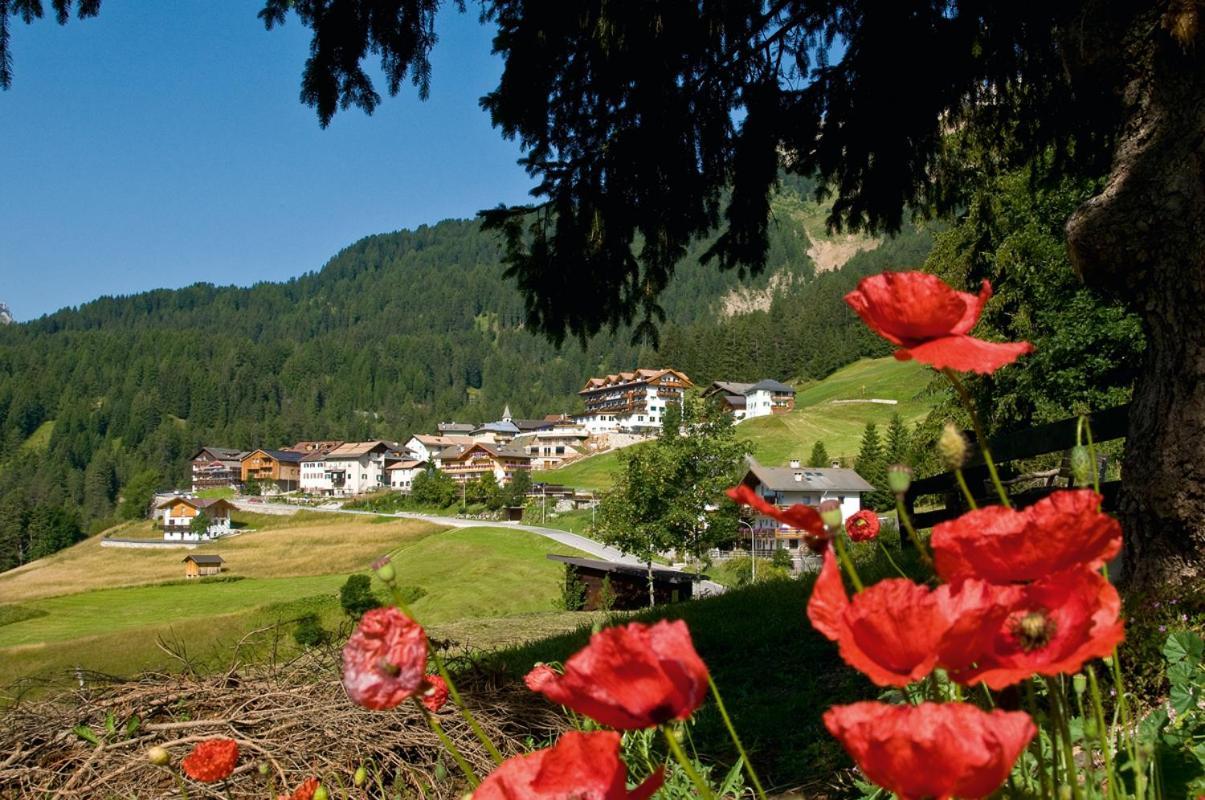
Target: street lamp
752, 548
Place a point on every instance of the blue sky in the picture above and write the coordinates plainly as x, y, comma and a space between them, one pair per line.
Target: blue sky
161, 144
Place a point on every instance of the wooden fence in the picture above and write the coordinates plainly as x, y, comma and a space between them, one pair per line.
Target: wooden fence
1052, 437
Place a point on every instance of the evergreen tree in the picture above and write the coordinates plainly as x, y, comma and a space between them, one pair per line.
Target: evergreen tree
819, 456
871, 466
898, 441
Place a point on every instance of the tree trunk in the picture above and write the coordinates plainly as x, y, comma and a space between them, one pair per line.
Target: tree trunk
1143, 238
652, 587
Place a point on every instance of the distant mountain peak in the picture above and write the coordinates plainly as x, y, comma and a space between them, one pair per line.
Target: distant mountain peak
6, 315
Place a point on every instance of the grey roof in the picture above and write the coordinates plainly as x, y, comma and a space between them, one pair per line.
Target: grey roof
502, 426
220, 453
729, 387
812, 479
281, 455
773, 386
531, 424
639, 570
203, 559
456, 427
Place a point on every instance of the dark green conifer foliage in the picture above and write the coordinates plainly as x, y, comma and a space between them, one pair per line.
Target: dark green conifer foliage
819, 456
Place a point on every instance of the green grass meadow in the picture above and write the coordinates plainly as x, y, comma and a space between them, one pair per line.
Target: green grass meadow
816, 417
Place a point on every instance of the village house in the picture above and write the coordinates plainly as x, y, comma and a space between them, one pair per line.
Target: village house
314, 447
216, 467
274, 470
425, 447
456, 428
553, 447
631, 402
786, 486
177, 514
615, 586
469, 462
403, 473
749, 400
198, 566
351, 469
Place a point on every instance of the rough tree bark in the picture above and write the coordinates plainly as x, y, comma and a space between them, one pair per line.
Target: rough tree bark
1143, 238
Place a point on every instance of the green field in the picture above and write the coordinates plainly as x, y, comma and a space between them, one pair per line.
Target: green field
466, 573
816, 417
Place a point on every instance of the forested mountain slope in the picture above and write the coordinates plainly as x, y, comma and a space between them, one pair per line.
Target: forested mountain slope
103, 403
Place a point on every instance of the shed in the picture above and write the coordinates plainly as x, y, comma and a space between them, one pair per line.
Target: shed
202, 566
629, 582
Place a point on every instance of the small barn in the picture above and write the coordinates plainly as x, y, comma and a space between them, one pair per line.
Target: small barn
629, 583
202, 566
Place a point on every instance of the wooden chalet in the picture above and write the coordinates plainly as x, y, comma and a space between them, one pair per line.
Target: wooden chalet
202, 566
469, 462
216, 467
177, 514
631, 401
629, 583
279, 469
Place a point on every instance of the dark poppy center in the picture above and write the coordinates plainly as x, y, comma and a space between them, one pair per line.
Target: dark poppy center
662, 713
1033, 629
388, 667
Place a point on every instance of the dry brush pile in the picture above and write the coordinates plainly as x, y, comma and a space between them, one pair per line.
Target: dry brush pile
292, 721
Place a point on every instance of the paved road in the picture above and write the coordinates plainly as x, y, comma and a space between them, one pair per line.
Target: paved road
586, 545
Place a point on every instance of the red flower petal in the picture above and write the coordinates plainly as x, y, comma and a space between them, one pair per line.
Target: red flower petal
628, 677
1050, 627
434, 693
907, 308
384, 661
863, 525
938, 750
1001, 545
965, 353
211, 761
579, 765
304, 791
798, 516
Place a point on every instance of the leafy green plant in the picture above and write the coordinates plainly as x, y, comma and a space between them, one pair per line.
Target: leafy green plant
355, 596
1176, 730
309, 632
573, 592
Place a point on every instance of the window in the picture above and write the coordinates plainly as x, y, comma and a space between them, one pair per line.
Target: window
794, 544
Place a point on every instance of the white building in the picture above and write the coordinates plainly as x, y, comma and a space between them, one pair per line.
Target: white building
424, 447
749, 400
177, 514
787, 486
631, 402
403, 473
350, 469
550, 449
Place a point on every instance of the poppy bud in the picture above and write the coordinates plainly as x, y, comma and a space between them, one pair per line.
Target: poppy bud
320, 793
263, 768
899, 478
830, 513
1081, 465
1079, 682
384, 569
360, 777
952, 446
158, 756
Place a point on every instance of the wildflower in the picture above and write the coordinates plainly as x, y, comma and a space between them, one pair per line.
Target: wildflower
580, 765
211, 761
1000, 545
306, 790
897, 631
938, 750
862, 526
1162, 629
384, 661
1050, 627
799, 517
158, 756
628, 677
434, 693
930, 321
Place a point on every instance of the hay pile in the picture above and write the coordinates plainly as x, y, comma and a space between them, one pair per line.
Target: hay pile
294, 718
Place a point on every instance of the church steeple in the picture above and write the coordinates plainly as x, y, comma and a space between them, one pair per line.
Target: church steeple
506, 413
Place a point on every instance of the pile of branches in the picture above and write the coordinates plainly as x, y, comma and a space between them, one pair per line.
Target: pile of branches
291, 721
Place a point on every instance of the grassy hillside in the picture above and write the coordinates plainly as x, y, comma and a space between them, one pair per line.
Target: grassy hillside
63, 617
820, 414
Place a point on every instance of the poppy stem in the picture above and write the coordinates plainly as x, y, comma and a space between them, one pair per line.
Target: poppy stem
1102, 732
1058, 706
692, 773
736, 740
843, 557
1044, 777
481, 735
966, 490
448, 744
980, 437
902, 514
891, 560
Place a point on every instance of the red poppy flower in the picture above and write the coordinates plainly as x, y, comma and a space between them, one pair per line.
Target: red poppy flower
304, 791
798, 516
862, 526
930, 321
211, 761
434, 693
938, 750
897, 631
1050, 627
1000, 545
628, 677
583, 766
384, 661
